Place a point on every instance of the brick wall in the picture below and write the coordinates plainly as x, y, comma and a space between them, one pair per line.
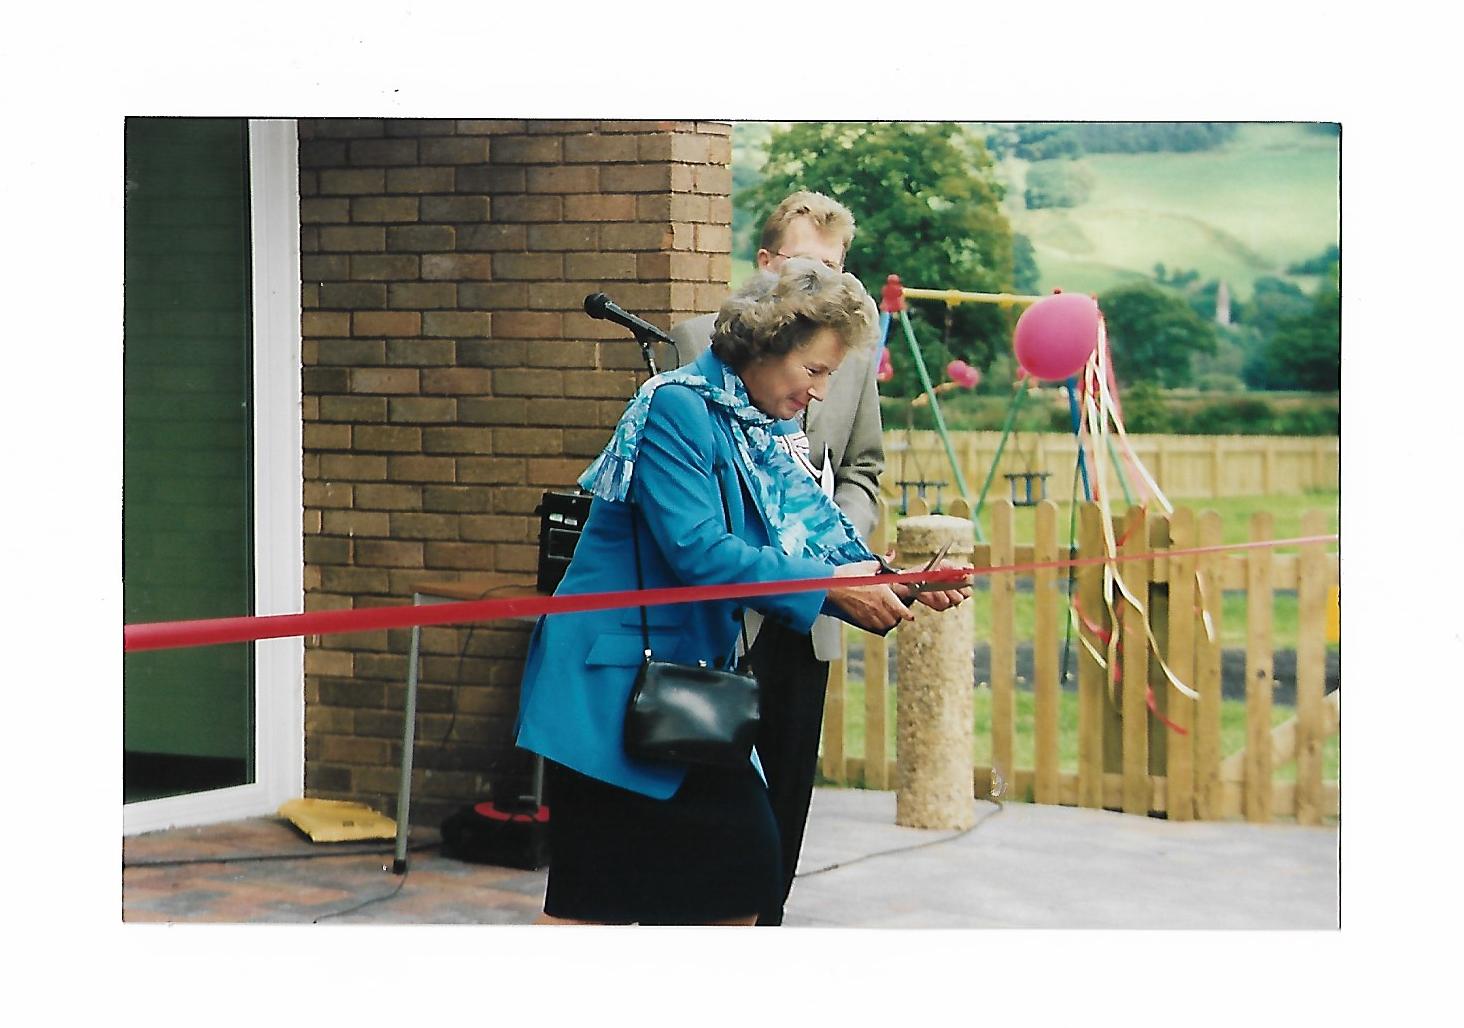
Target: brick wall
451, 377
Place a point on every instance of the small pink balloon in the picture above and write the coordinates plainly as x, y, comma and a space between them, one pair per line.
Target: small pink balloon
1056, 335
961, 373
886, 369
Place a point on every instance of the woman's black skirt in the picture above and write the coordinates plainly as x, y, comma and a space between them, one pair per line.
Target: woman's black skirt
709, 853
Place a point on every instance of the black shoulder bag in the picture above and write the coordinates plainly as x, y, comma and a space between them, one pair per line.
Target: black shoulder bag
690, 714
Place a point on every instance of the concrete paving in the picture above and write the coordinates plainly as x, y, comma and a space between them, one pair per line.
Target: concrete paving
1029, 866
1021, 866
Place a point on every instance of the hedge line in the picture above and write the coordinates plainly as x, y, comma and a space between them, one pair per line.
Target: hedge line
1145, 411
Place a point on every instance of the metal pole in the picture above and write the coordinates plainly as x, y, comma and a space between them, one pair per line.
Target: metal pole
955, 296
1128, 497
409, 732
1006, 428
935, 408
1072, 391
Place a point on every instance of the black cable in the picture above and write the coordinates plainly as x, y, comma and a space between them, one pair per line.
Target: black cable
258, 858
366, 903
906, 849
255, 858
458, 675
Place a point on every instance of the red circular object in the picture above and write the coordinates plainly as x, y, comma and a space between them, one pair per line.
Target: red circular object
490, 810
1056, 335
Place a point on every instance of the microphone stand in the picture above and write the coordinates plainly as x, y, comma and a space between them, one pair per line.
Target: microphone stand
647, 350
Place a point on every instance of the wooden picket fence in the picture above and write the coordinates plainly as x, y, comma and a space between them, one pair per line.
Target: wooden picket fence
1188, 467
1127, 759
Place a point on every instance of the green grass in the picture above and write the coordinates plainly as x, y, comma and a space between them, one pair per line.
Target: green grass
1232, 730
1267, 199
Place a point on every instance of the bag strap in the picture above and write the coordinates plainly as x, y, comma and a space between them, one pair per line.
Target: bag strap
640, 580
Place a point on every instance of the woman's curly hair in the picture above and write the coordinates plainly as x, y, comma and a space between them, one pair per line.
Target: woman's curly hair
775, 312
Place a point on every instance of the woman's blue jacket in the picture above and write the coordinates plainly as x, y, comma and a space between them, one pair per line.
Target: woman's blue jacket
580, 667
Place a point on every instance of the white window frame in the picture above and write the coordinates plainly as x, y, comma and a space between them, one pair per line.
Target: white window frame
279, 557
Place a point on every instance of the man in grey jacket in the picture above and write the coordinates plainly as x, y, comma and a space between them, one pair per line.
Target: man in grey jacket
841, 446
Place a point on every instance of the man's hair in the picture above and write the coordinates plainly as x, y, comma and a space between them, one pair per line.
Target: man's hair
828, 215
775, 312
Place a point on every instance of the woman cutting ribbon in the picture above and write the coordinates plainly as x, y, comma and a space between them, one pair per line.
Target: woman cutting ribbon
693, 489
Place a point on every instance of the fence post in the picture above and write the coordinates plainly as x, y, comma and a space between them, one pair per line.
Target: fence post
933, 715
1159, 624
1209, 790
1046, 690
1180, 766
1217, 467
1137, 790
1310, 670
1259, 675
1094, 710
1003, 641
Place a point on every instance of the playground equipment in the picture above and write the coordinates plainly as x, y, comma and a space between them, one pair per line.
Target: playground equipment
1060, 337
960, 375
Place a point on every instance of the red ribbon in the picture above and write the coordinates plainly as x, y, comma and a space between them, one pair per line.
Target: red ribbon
1154, 709
162, 635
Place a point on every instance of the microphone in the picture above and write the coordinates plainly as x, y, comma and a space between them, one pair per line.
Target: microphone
598, 305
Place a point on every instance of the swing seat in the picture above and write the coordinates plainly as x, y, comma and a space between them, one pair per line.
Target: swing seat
920, 485
1026, 499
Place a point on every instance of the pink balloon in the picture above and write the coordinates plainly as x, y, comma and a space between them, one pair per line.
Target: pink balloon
886, 369
1056, 335
961, 373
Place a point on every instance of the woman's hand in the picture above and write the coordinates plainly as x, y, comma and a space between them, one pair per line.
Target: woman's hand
938, 599
875, 607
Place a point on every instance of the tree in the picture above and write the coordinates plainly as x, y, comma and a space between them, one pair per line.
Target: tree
1274, 301
1154, 334
1036, 141
1305, 352
1321, 264
1057, 184
1026, 277
927, 201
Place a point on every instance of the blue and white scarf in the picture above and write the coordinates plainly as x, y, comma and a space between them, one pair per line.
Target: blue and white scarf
804, 521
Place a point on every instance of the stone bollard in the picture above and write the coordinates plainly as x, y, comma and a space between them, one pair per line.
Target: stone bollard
933, 714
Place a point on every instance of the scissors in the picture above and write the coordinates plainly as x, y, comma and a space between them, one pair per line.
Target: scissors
917, 587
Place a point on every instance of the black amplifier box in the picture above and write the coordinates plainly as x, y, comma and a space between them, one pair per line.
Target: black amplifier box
562, 517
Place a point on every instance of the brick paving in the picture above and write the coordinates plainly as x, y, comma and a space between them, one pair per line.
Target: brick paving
1022, 866
275, 874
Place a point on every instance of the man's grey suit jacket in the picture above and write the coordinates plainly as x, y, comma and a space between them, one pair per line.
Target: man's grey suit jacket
845, 428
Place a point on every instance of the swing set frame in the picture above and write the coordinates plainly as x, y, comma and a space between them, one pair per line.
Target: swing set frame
892, 305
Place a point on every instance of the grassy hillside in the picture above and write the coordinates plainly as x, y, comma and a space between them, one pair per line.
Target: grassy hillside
1265, 200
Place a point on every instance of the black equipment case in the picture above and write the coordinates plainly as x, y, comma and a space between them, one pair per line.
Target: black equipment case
561, 520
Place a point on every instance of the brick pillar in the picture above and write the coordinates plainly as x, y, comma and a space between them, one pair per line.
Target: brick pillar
451, 377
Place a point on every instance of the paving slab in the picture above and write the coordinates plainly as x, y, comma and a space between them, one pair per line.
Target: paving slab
1021, 866
1030, 866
